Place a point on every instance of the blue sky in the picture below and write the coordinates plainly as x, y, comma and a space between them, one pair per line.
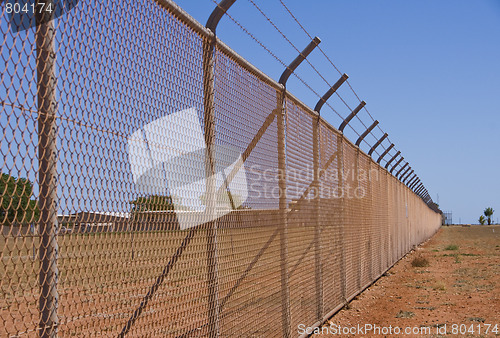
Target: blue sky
428, 70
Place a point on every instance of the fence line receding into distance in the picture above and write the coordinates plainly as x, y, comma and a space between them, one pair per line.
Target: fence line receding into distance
155, 183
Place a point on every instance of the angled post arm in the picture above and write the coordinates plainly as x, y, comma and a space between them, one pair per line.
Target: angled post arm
367, 131
392, 159
377, 144
351, 116
397, 163
385, 153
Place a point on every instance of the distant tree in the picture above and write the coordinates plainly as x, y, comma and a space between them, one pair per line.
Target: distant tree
488, 212
482, 220
16, 205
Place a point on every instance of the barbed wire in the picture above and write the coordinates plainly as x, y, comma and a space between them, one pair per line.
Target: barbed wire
348, 83
350, 87
316, 70
334, 66
267, 49
307, 85
275, 26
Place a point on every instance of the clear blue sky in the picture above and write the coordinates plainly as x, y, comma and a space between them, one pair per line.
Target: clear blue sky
428, 70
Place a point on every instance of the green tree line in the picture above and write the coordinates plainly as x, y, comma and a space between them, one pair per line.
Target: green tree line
16, 205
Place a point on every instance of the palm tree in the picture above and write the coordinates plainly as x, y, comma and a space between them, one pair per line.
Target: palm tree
488, 212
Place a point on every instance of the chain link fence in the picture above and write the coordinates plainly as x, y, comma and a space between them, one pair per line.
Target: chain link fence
154, 183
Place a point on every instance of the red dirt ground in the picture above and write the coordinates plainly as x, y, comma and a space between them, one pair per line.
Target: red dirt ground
456, 295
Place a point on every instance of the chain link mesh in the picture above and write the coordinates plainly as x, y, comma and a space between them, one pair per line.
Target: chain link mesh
106, 227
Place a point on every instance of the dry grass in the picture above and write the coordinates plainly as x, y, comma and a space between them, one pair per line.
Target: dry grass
439, 286
420, 262
451, 247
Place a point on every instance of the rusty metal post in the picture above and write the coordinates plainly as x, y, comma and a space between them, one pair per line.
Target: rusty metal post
415, 184
47, 173
283, 207
211, 189
411, 180
358, 253
211, 234
212, 271
283, 225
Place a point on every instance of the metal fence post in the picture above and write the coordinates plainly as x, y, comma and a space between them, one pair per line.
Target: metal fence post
211, 190
356, 184
340, 168
283, 207
401, 170
351, 116
317, 233
283, 226
318, 270
47, 173
212, 273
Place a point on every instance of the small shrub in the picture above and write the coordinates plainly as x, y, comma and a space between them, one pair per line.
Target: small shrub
476, 319
439, 286
405, 314
430, 308
452, 247
419, 262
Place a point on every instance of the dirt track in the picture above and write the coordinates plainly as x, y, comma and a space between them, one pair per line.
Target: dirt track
456, 295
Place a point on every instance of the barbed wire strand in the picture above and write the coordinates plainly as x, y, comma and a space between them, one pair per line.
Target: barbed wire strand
349, 84
268, 50
298, 51
331, 62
